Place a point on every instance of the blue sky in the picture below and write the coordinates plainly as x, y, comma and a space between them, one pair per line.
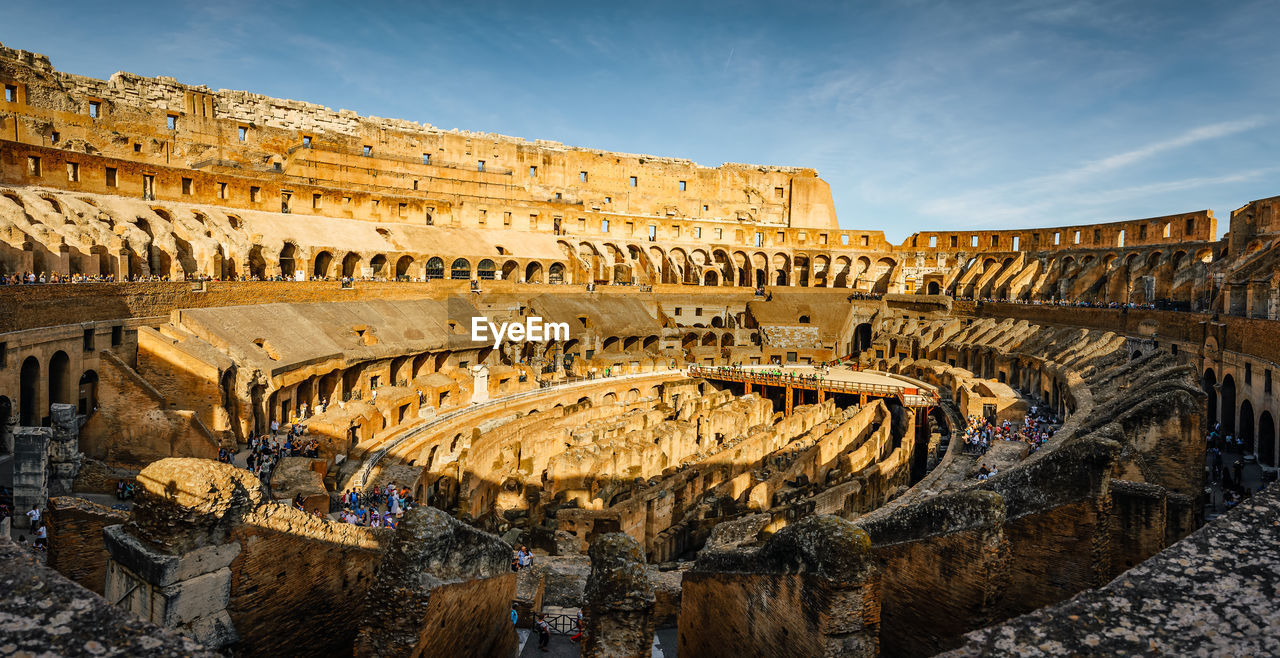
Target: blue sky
921, 115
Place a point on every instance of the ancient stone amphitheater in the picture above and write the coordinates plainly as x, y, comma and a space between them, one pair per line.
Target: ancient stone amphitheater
750, 439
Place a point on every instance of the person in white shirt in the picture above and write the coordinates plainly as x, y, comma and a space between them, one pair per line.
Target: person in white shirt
34, 515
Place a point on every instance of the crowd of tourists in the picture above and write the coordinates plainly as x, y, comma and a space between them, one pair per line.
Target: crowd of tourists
1076, 303
266, 451
980, 433
1229, 478
380, 507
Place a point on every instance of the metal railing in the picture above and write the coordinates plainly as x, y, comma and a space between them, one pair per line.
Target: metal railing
804, 381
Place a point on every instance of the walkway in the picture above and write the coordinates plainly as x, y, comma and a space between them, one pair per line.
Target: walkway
839, 379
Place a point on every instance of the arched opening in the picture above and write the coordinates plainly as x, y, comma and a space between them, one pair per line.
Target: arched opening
1209, 384
555, 274
435, 268
484, 270
533, 272
350, 263
1267, 439
934, 288
59, 378
509, 270
861, 338
1228, 415
402, 267
320, 269
461, 269
88, 393
257, 264
28, 393
287, 255
710, 278
378, 266
1246, 426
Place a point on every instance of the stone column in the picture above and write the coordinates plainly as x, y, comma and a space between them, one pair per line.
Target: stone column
619, 600
64, 448
30, 471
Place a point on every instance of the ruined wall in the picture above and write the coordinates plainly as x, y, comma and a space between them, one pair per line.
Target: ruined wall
135, 426
444, 589
811, 589
75, 540
208, 553
950, 544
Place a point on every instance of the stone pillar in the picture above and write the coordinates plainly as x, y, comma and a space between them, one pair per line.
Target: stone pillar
64, 448
30, 471
443, 589
172, 565
480, 384
618, 601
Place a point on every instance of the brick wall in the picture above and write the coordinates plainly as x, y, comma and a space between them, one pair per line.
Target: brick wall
75, 539
294, 586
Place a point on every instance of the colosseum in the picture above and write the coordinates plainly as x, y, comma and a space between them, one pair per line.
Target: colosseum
281, 380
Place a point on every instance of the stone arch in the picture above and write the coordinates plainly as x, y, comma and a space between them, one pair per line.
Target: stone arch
350, 265
59, 378
1267, 439
460, 269
257, 264
435, 268
378, 266
485, 270
533, 272
711, 278
403, 264
321, 264
510, 270
287, 255
88, 393
555, 273
29, 392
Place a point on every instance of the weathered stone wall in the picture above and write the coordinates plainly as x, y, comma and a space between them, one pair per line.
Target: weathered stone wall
208, 553
1173, 604
619, 600
49, 614
811, 589
135, 424
75, 540
444, 589
951, 544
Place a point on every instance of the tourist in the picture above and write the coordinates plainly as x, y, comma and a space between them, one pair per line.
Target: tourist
34, 516
525, 556
544, 631
578, 636
42, 538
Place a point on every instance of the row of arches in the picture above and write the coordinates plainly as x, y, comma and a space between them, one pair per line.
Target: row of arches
1240, 418
51, 383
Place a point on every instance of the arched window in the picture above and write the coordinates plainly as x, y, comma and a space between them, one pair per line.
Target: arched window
435, 268
461, 269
